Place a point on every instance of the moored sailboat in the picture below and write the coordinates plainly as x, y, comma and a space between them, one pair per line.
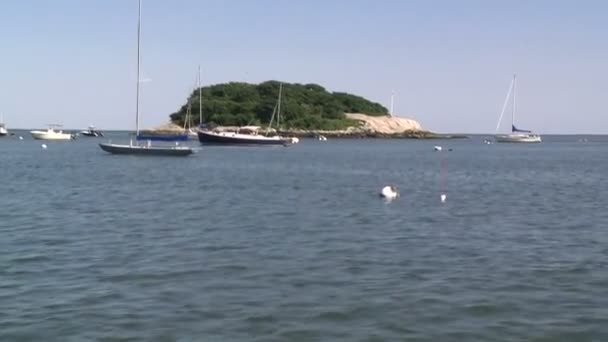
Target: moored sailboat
249, 135
148, 148
517, 135
3, 130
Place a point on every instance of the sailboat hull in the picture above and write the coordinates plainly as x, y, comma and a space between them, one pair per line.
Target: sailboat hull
241, 139
170, 151
518, 138
516, 135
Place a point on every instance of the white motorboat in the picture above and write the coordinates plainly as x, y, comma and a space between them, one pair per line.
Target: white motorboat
516, 135
52, 133
91, 132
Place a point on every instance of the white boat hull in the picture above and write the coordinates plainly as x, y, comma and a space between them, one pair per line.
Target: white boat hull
50, 135
3, 131
518, 138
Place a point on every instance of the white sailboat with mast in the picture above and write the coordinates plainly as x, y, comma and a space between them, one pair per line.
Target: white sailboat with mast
191, 130
200, 99
146, 149
3, 130
516, 135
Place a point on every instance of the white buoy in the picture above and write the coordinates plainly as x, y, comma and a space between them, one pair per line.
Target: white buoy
438, 148
443, 198
20, 138
389, 192
43, 146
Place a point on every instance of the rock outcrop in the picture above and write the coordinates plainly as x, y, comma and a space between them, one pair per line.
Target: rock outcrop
372, 127
384, 124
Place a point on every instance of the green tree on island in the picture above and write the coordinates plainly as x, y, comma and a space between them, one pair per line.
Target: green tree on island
303, 106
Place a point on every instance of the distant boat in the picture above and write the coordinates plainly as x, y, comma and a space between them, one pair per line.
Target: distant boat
174, 151
237, 138
146, 149
192, 131
188, 132
3, 130
52, 133
163, 136
249, 135
321, 138
91, 132
516, 135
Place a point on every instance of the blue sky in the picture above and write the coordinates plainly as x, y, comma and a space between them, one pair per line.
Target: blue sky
449, 62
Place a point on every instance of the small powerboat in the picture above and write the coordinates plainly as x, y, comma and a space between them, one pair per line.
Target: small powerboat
52, 133
91, 132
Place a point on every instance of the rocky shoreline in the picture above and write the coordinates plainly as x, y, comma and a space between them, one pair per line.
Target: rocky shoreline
356, 134
370, 127
383, 127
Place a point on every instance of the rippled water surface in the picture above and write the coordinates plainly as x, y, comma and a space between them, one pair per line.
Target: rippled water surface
294, 244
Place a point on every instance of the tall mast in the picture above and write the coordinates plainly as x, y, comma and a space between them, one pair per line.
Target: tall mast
138, 61
513, 109
392, 103
279, 107
504, 105
200, 98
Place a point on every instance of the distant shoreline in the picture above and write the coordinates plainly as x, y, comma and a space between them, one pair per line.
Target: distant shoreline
337, 135
417, 134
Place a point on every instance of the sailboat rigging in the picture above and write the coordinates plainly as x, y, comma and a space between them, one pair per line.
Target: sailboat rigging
517, 135
200, 98
240, 138
146, 149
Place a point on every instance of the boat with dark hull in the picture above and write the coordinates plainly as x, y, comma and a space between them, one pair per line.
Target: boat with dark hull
91, 132
163, 137
147, 150
234, 138
248, 135
143, 149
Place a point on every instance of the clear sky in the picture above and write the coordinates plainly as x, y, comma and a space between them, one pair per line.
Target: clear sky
449, 62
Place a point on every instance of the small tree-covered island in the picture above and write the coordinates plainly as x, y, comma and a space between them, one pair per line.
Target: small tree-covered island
306, 110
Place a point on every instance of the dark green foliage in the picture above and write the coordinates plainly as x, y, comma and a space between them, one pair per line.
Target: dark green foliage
304, 106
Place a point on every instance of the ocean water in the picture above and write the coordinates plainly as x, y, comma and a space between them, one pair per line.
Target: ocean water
294, 244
